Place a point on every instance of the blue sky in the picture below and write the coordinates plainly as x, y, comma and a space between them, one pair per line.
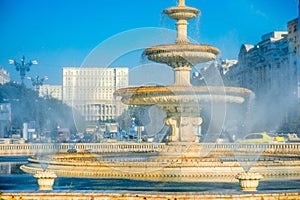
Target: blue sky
61, 33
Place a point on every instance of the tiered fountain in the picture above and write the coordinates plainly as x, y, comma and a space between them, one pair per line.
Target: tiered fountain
183, 159
181, 101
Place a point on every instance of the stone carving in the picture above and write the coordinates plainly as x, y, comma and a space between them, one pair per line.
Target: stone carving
173, 122
45, 179
248, 180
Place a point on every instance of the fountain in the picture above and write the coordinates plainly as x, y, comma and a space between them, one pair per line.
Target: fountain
181, 101
183, 158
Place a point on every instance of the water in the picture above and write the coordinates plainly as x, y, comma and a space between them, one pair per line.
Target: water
16, 180
26, 182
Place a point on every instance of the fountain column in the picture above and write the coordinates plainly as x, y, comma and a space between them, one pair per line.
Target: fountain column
182, 32
182, 26
184, 119
182, 76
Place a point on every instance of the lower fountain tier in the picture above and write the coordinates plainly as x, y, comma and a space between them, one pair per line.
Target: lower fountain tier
174, 172
183, 95
183, 104
183, 166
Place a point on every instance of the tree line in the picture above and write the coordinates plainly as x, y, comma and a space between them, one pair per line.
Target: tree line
26, 106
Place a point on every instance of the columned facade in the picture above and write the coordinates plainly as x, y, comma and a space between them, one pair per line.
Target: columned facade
294, 50
265, 67
270, 69
90, 91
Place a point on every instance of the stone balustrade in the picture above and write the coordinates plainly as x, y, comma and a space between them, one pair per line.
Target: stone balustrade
43, 148
285, 148
34, 148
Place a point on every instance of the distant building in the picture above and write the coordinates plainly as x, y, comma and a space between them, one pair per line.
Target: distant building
294, 49
51, 91
272, 66
5, 119
90, 91
226, 66
265, 68
228, 70
269, 69
4, 76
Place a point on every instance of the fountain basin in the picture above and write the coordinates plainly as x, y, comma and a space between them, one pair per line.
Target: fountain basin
181, 12
167, 166
175, 54
151, 95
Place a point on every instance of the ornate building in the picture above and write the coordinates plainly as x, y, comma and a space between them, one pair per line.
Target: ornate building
271, 70
4, 76
294, 49
90, 91
271, 67
264, 68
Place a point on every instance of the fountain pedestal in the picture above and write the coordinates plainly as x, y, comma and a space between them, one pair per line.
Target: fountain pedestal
248, 180
183, 129
45, 179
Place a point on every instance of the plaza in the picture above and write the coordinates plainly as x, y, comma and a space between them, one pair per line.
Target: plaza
188, 164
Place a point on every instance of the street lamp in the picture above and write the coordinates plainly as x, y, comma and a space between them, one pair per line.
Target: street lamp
37, 82
23, 67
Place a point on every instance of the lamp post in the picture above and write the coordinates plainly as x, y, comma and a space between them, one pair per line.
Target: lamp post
23, 67
37, 82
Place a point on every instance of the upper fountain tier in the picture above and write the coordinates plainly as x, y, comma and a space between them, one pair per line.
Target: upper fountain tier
182, 55
181, 11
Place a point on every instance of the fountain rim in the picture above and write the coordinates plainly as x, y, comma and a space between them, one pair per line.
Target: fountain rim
177, 9
181, 48
181, 90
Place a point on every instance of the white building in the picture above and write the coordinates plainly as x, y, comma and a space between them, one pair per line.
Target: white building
5, 118
226, 65
264, 68
90, 91
271, 66
51, 91
294, 49
269, 69
4, 76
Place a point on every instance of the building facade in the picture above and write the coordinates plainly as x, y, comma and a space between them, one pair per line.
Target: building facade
270, 70
90, 91
226, 65
265, 68
294, 49
51, 91
5, 119
271, 67
4, 76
